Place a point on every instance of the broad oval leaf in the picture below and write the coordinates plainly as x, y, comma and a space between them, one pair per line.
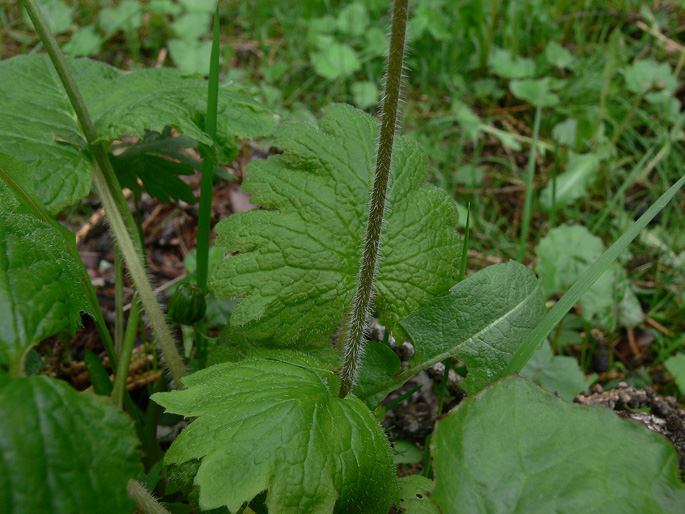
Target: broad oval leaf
536, 92
275, 423
540, 454
507, 66
41, 289
335, 61
481, 322
37, 122
298, 261
63, 451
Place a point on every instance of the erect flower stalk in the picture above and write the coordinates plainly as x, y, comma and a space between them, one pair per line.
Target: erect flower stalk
113, 201
353, 344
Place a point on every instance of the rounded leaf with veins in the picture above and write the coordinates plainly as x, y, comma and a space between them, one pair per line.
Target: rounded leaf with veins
275, 423
297, 261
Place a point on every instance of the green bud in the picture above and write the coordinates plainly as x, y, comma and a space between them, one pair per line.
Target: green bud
187, 305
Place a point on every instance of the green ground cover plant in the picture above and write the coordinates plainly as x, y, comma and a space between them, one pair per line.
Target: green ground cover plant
283, 408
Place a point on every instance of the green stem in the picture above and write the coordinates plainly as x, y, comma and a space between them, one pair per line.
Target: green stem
145, 502
113, 201
118, 302
354, 342
206, 186
18, 365
139, 278
100, 324
530, 173
126, 351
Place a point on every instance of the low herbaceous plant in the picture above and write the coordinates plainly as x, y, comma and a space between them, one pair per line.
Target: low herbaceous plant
287, 425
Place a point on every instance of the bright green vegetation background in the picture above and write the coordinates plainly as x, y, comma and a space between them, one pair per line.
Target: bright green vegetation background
604, 75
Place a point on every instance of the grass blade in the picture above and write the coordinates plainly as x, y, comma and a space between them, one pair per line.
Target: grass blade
589, 277
530, 174
208, 163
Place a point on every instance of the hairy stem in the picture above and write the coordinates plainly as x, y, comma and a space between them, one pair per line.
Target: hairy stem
139, 278
354, 340
145, 502
114, 203
118, 302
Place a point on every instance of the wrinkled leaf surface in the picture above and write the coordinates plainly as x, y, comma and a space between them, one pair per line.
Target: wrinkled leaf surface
299, 259
37, 122
276, 424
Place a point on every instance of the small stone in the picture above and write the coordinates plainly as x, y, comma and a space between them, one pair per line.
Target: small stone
405, 351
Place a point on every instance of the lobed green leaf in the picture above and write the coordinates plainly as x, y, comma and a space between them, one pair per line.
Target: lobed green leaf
298, 260
275, 423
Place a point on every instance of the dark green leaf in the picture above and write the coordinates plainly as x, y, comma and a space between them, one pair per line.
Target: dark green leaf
481, 322
41, 289
516, 449
37, 120
62, 451
158, 174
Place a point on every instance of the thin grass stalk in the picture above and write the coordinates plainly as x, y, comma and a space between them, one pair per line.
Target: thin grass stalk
208, 163
530, 174
354, 340
585, 281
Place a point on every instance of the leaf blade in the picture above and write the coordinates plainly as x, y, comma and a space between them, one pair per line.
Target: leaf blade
37, 122
546, 455
61, 451
304, 252
41, 288
309, 449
